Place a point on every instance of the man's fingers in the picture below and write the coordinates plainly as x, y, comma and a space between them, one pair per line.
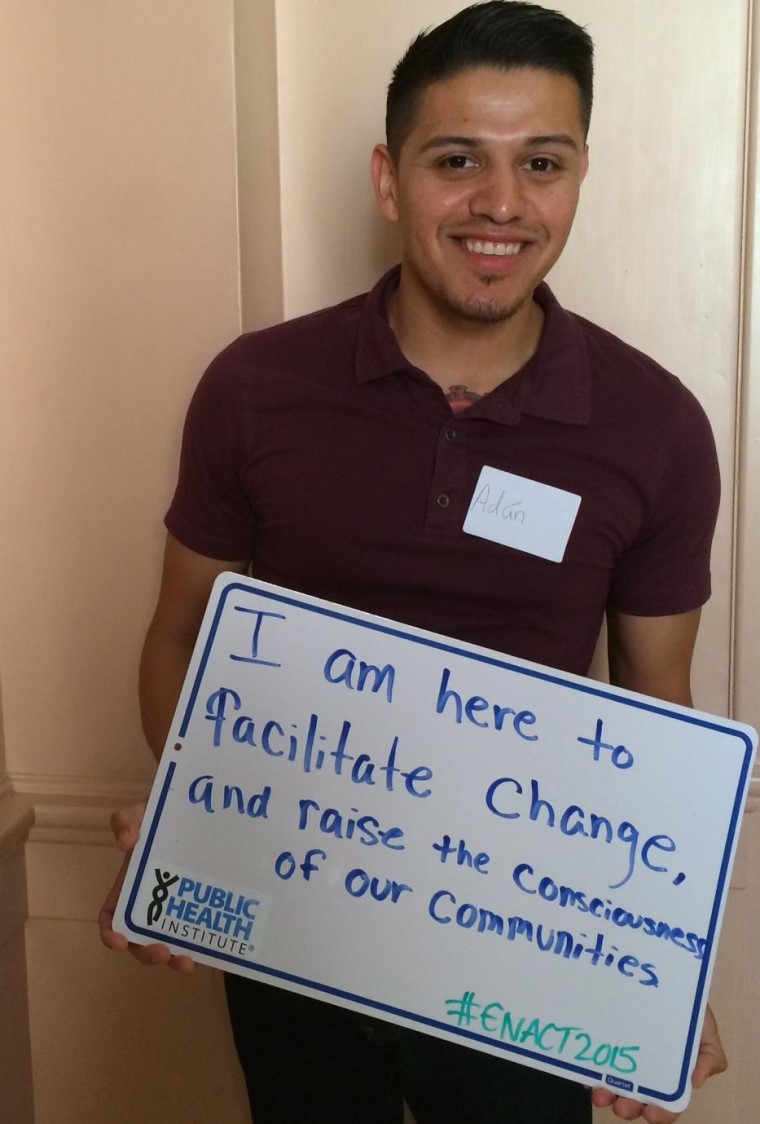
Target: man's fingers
626, 1109
182, 964
712, 1057
149, 955
622, 1107
125, 825
154, 955
117, 942
708, 1065
654, 1115
602, 1098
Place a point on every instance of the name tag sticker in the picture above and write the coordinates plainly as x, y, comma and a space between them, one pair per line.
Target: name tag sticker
522, 513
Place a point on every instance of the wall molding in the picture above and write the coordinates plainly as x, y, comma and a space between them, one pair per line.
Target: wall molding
76, 786
71, 809
59, 814
16, 822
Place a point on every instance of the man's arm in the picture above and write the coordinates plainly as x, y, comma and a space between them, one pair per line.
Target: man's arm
186, 583
185, 587
653, 655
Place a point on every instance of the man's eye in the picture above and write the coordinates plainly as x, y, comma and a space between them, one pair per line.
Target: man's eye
542, 164
458, 162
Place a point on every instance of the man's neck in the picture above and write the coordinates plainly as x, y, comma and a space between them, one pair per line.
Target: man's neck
455, 350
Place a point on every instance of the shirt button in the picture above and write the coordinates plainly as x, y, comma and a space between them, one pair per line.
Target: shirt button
451, 435
443, 500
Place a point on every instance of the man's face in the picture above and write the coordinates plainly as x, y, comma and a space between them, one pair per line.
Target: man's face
485, 189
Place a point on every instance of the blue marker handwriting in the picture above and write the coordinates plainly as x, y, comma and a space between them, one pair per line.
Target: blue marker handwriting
205, 791
272, 738
507, 799
567, 897
445, 908
342, 667
464, 856
450, 702
366, 829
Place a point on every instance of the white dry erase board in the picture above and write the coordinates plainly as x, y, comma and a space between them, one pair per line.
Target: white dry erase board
506, 856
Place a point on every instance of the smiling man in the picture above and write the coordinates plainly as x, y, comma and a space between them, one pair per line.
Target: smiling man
341, 454
485, 185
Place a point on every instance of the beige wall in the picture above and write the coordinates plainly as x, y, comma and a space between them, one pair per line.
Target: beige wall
120, 279
747, 648
131, 134
258, 156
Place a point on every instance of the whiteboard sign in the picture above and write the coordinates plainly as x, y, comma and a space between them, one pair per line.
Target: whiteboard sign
508, 857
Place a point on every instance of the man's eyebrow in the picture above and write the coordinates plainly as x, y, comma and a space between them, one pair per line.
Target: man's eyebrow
552, 138
450, 141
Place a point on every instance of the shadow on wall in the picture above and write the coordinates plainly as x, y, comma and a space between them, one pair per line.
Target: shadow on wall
4, 782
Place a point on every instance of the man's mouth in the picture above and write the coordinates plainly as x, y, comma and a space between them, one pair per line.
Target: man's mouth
493, 249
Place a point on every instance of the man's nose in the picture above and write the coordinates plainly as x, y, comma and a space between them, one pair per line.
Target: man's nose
498, 196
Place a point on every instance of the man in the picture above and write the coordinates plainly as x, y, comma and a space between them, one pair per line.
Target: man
339, 455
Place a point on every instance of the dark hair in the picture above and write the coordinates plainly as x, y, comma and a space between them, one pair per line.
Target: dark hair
505, 34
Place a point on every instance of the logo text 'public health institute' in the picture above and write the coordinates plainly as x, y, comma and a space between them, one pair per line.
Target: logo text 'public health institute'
200, 912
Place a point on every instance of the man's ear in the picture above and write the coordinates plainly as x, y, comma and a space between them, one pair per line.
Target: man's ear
584, 163
384, 179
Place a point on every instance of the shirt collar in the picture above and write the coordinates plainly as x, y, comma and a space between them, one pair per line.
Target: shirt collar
377, 350
554, 384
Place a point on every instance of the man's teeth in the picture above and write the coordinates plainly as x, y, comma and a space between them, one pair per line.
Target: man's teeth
496, 249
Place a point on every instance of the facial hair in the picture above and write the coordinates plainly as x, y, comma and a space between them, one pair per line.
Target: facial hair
480, 309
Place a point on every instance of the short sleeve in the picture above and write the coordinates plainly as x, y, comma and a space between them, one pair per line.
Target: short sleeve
667, 570
210, 512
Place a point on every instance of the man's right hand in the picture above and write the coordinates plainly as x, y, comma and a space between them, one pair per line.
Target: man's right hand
125, 825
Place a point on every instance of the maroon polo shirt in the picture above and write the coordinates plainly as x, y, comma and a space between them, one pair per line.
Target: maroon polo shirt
317, 451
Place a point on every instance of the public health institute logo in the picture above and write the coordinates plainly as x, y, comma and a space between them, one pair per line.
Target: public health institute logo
202, 914
160, 894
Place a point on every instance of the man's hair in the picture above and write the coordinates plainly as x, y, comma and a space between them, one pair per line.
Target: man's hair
502, 34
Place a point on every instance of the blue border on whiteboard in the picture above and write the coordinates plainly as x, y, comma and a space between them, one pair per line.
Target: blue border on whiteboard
551, 677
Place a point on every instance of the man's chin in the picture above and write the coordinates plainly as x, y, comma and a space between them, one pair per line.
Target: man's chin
486, 310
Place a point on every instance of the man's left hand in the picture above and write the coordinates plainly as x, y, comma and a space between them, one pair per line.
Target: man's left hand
711, 1059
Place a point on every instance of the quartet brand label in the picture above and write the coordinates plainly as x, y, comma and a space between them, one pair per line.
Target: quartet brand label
518, 860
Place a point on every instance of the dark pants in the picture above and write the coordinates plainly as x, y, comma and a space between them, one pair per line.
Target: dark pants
307, 1062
